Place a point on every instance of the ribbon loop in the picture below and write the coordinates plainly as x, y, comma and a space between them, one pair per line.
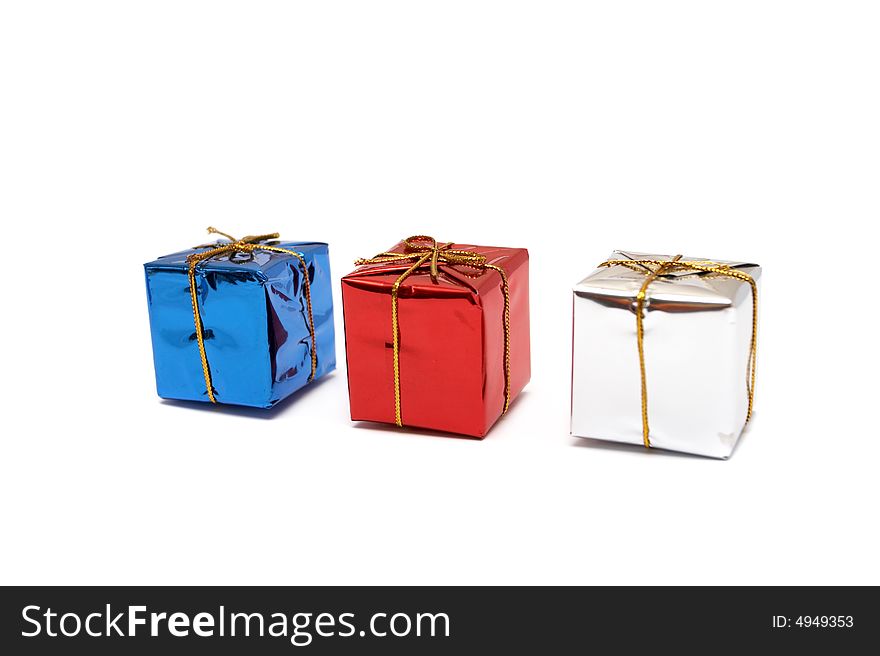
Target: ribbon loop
656, 268
247, 245
418, 251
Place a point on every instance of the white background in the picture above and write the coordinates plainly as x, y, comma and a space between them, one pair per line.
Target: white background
739, 130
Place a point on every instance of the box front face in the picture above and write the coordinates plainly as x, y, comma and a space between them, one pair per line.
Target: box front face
692, 404
233, 310
441, 358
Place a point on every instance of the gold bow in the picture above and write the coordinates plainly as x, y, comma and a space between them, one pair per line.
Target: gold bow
656, 268
421, 250
248, 245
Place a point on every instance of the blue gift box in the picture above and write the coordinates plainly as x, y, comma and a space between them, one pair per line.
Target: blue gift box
253, 307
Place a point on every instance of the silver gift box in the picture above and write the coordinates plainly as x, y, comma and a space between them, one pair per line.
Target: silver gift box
697, 346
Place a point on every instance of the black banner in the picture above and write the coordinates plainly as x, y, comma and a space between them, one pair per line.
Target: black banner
406, 620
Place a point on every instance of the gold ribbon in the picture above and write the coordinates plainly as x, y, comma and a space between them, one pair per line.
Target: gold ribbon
419, 251
656, 268
248, 245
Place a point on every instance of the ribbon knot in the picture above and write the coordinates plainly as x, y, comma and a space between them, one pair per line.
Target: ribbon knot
247, 244
422, 250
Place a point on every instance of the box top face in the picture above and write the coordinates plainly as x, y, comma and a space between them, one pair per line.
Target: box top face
257, 261
676, 288
454, 280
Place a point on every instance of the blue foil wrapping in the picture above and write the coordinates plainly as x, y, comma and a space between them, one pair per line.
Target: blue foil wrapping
255, 321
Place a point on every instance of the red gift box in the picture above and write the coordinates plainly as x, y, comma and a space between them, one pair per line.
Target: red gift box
462, 355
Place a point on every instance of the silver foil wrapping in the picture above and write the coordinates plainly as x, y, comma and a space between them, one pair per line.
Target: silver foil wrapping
697, 336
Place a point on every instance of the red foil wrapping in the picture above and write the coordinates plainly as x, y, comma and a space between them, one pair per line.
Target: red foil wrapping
451, 341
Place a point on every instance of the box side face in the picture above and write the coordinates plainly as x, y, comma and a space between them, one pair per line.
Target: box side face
441, 359
492, 299
233, 310
692, 360
739, 354
290, 345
